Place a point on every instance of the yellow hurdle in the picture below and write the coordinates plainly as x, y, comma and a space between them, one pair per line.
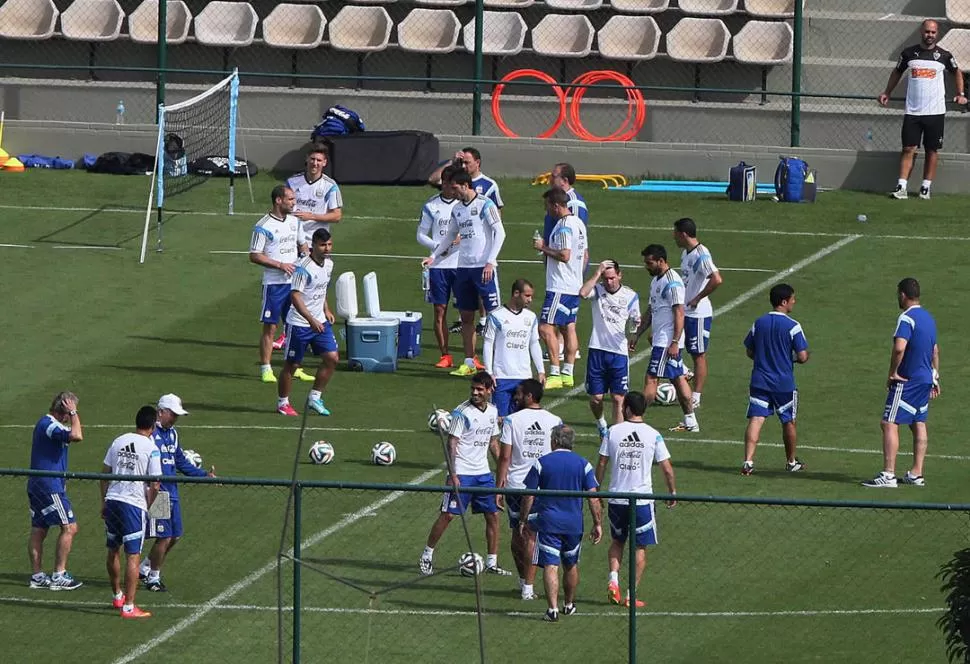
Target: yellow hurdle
606, 180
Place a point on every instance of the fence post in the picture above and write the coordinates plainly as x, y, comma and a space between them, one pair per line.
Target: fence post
162, 56
796, 76
631, 538
479, 66
297, 566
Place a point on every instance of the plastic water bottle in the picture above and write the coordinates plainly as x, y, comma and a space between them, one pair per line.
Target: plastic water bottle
868, 145
120, 112
425, 279
537, 236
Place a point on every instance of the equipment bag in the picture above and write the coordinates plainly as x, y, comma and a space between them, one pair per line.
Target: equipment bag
742, 182
173, 151
124, 163
36, 161
794, 181
338, 121
218, 166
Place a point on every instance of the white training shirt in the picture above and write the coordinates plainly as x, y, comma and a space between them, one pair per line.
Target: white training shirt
312, 280
479, 225
278, 239
666, 290
474, 429
697, 266
511, 340
566, 277
318, 197
435, 217
926, 89
633, 448
613, 315
132, 454
529, 433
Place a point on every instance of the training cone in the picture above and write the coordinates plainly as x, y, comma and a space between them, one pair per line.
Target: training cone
3, 157
13, 165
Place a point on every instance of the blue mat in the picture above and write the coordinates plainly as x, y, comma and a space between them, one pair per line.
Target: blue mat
688, 186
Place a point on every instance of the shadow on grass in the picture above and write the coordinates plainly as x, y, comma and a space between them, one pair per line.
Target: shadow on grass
807, 474
186, 371
195, 342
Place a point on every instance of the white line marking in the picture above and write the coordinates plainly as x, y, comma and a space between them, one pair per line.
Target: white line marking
237, 427
808, 613
205, 608
817, 448
86, 246
16, 246
733, 304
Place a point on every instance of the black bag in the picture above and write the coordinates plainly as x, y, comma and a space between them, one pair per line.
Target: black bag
124, 163
382, 157
218, 166
742, 182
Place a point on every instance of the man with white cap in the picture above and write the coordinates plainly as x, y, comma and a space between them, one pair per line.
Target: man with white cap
167, 531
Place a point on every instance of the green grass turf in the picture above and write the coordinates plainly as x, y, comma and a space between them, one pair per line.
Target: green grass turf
120, 334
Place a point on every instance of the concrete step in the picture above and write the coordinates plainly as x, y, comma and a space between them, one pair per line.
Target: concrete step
921, 8
858, 36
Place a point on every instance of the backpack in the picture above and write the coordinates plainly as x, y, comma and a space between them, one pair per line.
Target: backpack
338, 121
124, 163
173, 152
794, 181
742, 182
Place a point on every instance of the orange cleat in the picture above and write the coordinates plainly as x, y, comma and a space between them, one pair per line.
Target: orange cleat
478, 364
135, 613
446, 362
280, 342
640, 603
118, 603
613, 592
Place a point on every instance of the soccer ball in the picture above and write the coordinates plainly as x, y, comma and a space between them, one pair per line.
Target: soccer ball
321, 452
383, 454
470, 564
666, 394
193, 457
439, 420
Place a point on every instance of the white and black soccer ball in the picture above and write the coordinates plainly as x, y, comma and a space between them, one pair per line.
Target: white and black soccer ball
193, 457
321, 452
439, 420
383, 454
471, 564
666, 394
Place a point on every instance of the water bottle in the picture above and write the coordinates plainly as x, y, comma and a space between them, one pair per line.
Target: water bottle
425, 279
537, 236
867, 146
120, 112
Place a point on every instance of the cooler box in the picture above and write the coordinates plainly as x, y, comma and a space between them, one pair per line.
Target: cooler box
408, 334
372, 344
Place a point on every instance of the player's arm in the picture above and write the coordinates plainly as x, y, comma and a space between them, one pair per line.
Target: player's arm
587, 289
493, 447
296, 299
488, 345
678, 311
424, 231
505, 455
535, 352
895, 359
75, 435
445, 245
494, 222
185, 466
894, 78
668, 470
327, 313
555, 252
714, 279
452, 453
435, 178
105, 470
601, 465
596, 511
935, 390
641, 328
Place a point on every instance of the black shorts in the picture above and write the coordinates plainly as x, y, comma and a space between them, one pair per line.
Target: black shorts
927, 127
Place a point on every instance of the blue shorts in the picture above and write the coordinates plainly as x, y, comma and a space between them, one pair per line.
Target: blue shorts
607, 372
50, 509
440, 284
559, 310
124, 524
513, 506
276, 303
698, 334
557, 549
907, 403
502, 396
299, 338
646, 532
165, 528
663, 366
480, 502
468, 288
763, 403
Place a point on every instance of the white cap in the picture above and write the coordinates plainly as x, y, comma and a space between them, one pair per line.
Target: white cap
173, 403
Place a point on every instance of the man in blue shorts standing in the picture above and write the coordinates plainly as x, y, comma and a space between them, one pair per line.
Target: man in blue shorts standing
914, 379
775, 342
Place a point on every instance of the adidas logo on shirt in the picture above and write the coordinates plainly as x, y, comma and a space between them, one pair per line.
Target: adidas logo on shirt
535, 428
128, 451
633, 440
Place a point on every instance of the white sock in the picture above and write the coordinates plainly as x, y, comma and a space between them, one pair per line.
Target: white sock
567, 368
690, 420
428, 553
266, 367
601, 421
483, 321
470, 362
314, 395
491, 560
888, 475
38, 576
154, 575
697, 398
615, 577
902, 183
926, 184
527, 589
282, 401
553, 371
128, 608
118, 595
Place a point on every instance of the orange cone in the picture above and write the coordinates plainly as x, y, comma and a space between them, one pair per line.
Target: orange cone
3, 157
13, 165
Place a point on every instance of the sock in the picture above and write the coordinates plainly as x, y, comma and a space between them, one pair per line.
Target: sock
145, 566
282, 401
128, 608
314, 395
926, 184
567, 368
470, 362
521, 583
118, 595
690, 420
38, 576
902, 183
888, 475
697, 398
266, 367
154, 576
527, 589
57, 575
568, 606
428, 553
491, 560
615, 578
601, 422
553, 371
552, 612
483, 321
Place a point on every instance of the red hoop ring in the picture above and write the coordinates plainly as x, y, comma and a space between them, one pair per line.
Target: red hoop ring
636, 107
528, 73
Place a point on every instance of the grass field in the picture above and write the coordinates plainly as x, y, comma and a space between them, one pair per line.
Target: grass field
728, 583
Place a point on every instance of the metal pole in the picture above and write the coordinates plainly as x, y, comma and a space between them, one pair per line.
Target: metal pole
297, 567
631, 538
796, 77
479, 66
162, 54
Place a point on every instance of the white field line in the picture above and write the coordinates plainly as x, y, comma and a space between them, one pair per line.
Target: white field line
87, 246
16, 246
624, 614
748, 231
731, 305
202, 610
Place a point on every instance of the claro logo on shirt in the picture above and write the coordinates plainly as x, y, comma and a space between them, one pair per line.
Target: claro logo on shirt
921, 72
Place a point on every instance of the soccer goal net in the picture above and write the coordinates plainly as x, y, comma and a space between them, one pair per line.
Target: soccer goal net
196, 141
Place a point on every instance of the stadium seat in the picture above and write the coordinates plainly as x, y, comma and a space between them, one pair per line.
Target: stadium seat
92, 20
429, 31
640, 6
509, 4
360, 29
226, 24
143, 22
28, 19
764, 43
294, 26
708, 7
771, 8
958, 11
629, 38
503, 34
441, 3
575, 5
563, 36
957, 42
373, 2
698, 40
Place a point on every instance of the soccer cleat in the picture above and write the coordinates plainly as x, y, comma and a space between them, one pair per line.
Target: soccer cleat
569, 609
288, 410
568, 380
881, 481
280, 342
545, 355
924, 193
613, 593
135, 613
497, 571
455, 327
553, 382
683, 426
602, 430
562, 358
640, 603
479, 329
914, 480
463, 370
688, 375
527, 597
64, 581
425, 566
899, 193
747, 468
446, 362
551, 615
317, 406
300, 374
40, 581
267, 376
478, 363
155, 586
118, 602
795, 466
142, 574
